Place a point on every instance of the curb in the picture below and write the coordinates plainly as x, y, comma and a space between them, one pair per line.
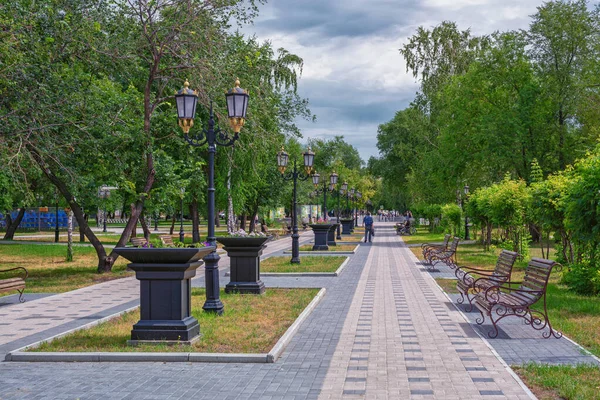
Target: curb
308, 274
20, 355
291, 331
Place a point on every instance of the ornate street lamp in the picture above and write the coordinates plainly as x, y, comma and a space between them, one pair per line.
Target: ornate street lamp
315, 179
466, 190
237, 105
295, 175
181, 231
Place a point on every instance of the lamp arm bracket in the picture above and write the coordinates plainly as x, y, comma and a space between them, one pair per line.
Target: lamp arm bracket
223, 139
288, 176
197, 140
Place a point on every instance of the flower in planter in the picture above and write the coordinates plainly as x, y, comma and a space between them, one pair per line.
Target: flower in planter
322, 221
243, 233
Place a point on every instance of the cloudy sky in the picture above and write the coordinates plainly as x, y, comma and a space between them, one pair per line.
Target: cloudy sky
353, 73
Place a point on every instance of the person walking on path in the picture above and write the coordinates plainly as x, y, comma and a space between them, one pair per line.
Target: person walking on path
368, 222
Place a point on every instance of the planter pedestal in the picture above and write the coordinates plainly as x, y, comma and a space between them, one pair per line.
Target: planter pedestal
165, 292
331, 235
244, 256
321, 232
347, 225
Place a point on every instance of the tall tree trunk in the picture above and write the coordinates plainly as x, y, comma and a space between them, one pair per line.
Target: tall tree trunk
195, 220
172, 228
252, 227
81, 230
243, 222
11, 227
145, 228
104, 262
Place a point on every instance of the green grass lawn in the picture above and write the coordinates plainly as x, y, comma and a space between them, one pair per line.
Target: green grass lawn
562, 382
50, 273
307, 264
250, 324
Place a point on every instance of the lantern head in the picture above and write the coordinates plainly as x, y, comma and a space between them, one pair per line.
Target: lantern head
186, 100
237, 105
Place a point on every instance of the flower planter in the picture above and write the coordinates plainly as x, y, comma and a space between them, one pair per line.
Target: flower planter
321, 232
165, 291
244, 255
331, 235
347, 225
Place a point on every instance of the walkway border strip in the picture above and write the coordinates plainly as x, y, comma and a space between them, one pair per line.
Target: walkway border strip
21, 355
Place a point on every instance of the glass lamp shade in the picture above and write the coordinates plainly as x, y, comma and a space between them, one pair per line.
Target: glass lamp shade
315, 179
466, 189
359, 195
237, 105
351, 191
237, 101
333, 179
309, 158
331, 187
282, 160
344, 186
186, 100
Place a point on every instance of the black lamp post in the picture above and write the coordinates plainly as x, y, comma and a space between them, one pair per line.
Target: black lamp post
343, 189
358, 196
237, 105
155, 215
181, 231
294, 175
104, 193
467, 236
56, 228
332, 178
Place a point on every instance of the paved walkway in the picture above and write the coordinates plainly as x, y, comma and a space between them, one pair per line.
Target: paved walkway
384, 330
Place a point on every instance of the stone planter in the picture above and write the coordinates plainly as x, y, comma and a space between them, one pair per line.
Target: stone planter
331, 235
165, 292
321, 232
347, 225
244, 255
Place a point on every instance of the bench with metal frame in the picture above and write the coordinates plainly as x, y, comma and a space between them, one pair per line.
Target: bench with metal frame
167, 240
505, 300
475, 280
448, 256
17, 283
139, 242
427, 248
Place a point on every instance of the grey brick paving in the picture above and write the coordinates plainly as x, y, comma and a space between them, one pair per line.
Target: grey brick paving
383, 330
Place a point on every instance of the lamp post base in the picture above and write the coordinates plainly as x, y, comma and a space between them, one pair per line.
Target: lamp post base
211, 275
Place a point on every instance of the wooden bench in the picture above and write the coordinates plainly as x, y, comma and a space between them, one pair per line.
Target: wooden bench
139, 242
167, 240
427, 248
18, 283
475, 280
505, 301
447, 256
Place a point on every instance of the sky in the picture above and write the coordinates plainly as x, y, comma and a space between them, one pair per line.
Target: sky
353, 75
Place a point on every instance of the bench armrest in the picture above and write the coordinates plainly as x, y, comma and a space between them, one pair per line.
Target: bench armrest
15, 269
492, 294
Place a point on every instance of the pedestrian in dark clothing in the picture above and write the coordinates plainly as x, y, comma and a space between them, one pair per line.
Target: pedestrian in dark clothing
368, 221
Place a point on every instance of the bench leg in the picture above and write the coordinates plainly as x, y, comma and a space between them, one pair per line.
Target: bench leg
21, 298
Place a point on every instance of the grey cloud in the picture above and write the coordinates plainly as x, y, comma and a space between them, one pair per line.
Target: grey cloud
329, 19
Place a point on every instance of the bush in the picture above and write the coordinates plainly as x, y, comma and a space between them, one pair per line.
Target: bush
452, 217
583, 279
